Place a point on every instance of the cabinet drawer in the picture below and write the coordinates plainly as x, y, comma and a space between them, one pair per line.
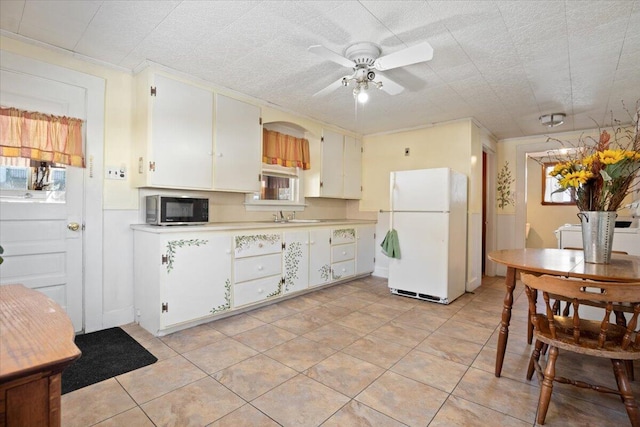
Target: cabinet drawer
343, 235
257, 244
257, 267
343, 252
256, 290
343, 269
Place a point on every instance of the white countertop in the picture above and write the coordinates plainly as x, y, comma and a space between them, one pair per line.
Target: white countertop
229, 226
578, 227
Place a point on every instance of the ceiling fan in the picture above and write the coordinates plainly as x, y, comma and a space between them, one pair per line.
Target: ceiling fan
364, 59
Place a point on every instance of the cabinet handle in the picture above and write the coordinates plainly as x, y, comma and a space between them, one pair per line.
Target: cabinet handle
260, 268
313, 242
218, 154
228, 251
344, 270
260, 290
344, 252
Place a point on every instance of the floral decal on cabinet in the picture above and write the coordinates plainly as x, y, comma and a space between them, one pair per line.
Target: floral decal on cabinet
325, 272
245, 242
345, 233
172, 245
227, 298
292, 257
278, 290
334, 275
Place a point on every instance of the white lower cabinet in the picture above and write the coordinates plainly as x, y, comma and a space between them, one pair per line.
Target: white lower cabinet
296, 261
343, 253
319, 256
365, 249
257, 267
184, 277
180, 277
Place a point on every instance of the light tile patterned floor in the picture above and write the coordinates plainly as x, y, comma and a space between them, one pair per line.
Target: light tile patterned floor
348, 355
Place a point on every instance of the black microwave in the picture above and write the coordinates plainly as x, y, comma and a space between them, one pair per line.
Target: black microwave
168, 210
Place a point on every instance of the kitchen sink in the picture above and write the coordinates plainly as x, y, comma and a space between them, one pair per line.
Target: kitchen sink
302, 220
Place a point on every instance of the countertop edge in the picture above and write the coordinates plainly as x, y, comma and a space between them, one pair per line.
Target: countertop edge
234, 226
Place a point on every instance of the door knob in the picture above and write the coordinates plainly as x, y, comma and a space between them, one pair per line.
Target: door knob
73, 226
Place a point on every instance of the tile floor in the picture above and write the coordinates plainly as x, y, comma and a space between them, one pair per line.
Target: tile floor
348, 355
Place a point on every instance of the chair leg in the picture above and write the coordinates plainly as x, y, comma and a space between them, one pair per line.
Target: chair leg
535, 357
530, 323
624, 386
547, 385
630, 374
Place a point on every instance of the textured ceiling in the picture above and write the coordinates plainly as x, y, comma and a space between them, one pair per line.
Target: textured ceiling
504, 63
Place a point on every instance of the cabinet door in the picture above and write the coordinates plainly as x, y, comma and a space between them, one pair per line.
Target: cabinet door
238, 146
296, 261
365, 249
195, 280
181, 135
332, 164
352, 168
319, 256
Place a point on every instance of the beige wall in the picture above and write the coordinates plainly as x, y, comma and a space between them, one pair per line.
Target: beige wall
544, 219
445, 145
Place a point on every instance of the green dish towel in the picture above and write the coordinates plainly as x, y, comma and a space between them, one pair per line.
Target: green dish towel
390, 245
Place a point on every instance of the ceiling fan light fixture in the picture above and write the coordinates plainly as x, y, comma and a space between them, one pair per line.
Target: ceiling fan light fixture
363, 97
553, 119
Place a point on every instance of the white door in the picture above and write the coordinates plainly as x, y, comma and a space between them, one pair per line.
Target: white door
423, 263
43, 250
421, 190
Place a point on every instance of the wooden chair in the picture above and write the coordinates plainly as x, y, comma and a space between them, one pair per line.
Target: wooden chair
595, 338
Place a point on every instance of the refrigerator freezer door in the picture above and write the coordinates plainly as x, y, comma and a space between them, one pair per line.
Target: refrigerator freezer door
423, 266
421, 190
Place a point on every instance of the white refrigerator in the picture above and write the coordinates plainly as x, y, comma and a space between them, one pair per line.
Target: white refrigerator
429, 213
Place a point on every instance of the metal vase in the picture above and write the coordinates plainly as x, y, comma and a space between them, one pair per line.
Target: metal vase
597, 235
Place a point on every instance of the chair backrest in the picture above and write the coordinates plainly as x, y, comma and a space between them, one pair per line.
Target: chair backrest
611, 296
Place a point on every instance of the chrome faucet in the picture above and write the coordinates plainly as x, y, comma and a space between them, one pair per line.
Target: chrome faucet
281, 216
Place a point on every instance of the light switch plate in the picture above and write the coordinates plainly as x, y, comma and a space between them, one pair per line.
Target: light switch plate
114, 172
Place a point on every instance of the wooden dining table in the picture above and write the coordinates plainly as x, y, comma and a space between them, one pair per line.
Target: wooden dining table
556, 262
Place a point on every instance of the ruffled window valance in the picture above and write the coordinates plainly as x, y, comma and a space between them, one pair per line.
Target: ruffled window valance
285, 150
41, 137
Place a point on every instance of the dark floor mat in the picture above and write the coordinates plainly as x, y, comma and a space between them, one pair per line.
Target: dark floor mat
105, 354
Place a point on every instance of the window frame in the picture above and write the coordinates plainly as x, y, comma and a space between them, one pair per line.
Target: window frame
545, 178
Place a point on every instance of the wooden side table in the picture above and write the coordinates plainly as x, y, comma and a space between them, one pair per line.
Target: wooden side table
36, 344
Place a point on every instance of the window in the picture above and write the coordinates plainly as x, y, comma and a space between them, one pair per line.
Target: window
280, 189
32, 180
550, 185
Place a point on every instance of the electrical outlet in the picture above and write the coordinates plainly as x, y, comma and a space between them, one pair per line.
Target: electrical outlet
114, 172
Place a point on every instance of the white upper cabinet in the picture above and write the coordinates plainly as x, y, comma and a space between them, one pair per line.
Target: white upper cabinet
332, 163
173, 124
336, 166
238, 146
352, 168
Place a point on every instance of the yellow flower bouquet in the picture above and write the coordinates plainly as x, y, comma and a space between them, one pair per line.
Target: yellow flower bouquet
604, 173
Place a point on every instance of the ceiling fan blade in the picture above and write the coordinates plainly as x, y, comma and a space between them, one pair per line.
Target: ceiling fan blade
331, 55
389, 86
411, 55
333, 86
